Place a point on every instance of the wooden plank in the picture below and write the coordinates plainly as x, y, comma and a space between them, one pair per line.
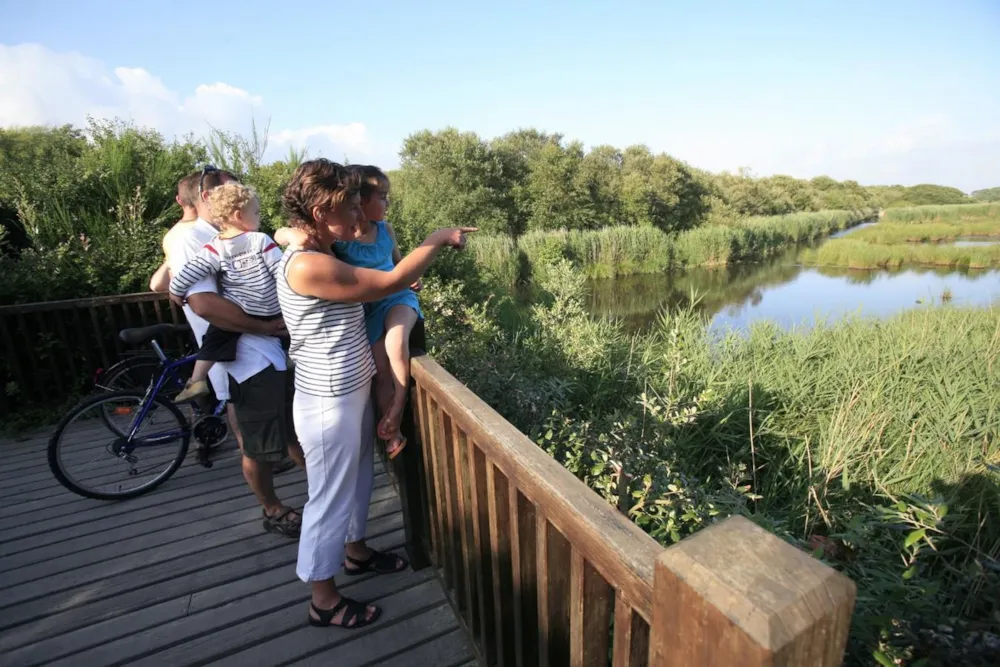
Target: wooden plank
734, 593
32, 388
631, 643
144, 314
109, 531
459, 468
158, 311
253, 618
591, 602
479, 495
12, 356
408, 475
117, 595
453, 574
437, 479
525, 577
139, 519
501, 555
98, 336
29, 587
429, 471
415, 640
542, 590
85, 343
43, 332
67, 345
127, 315
282, 635
446, 651
553, 577
619, 550
112, 329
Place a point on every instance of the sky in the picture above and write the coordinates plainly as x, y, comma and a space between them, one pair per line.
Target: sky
880, 92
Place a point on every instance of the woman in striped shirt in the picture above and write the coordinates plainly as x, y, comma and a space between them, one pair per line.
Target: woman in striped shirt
321, 299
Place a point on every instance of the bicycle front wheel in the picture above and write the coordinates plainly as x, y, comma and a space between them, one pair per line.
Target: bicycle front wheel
118, 445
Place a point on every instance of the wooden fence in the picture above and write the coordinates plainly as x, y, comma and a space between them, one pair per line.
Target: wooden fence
544, 572
51, 350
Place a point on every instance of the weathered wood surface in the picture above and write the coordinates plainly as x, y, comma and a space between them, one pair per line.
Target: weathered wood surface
734, 594
536, 563
185, 575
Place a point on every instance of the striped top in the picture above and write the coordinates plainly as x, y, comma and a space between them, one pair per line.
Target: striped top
245, 265
329, 340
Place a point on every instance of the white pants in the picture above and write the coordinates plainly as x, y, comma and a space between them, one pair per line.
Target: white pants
336, 435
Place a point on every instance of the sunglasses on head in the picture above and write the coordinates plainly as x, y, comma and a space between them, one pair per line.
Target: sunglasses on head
205, 171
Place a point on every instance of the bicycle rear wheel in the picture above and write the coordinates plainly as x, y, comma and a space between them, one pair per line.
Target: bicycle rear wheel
112, 446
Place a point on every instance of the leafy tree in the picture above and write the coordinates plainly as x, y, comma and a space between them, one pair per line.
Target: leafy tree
449, 178
987, 195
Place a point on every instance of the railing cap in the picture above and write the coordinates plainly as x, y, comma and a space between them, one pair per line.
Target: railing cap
766, 587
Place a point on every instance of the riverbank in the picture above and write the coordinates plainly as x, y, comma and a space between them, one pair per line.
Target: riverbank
622, 251
918, 237
853, 254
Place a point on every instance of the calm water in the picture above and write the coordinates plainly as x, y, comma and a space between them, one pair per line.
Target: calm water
788, 294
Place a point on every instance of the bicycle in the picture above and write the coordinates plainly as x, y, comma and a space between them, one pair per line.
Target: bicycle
127, 414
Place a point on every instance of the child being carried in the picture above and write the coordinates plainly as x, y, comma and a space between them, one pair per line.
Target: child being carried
244, 261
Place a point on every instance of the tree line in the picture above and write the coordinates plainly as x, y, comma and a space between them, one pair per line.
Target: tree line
82, 210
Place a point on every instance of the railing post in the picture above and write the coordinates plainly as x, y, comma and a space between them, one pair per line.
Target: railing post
734, 594
407, 470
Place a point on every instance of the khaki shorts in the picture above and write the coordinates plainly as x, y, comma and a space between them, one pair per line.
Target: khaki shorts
263, 406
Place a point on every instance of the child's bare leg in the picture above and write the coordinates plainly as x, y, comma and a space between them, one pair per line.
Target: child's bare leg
383, 380
197, 386
398, 324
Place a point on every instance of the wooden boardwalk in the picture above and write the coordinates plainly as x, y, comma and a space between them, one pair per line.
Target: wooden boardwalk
185, 575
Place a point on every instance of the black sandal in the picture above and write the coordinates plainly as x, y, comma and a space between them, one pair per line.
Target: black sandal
378, 562
353, 611
281, 524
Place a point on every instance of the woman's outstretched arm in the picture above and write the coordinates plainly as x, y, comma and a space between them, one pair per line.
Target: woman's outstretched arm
326, 277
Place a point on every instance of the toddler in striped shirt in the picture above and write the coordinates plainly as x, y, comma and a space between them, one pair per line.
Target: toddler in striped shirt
243, 261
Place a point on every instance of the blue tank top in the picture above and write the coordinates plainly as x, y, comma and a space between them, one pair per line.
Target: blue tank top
375, 255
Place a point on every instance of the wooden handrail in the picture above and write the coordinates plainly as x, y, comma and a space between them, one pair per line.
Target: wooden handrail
544, 572
496, 497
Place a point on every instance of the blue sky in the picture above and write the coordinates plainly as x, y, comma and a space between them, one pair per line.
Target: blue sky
882, 92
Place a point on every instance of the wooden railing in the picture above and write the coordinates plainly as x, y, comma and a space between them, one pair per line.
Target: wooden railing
544, 572
52, 349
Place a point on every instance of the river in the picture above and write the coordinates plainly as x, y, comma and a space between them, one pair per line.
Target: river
788, 294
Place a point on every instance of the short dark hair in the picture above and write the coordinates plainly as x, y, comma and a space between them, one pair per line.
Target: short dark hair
187, 189
373, 180
210, 177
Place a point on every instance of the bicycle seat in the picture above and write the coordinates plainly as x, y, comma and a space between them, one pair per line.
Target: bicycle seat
140, 335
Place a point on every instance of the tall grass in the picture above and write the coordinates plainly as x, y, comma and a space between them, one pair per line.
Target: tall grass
930, 232
855, 254
947, 213
620, 251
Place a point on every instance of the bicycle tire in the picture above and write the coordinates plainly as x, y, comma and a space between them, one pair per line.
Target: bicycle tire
68, 483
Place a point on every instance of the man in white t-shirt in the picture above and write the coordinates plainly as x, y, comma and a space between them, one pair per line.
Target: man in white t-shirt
255, 383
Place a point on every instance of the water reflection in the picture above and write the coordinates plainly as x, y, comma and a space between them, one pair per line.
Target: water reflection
787, 294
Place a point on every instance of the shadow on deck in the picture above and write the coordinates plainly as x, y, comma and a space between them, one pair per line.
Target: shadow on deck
185, 575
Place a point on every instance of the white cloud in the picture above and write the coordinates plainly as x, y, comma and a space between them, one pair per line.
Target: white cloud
39, 86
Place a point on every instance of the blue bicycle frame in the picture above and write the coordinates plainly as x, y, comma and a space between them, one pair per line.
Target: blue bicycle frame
168, 369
